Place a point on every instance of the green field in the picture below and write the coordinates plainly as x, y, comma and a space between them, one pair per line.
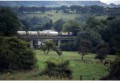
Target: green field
54, 16
88, 69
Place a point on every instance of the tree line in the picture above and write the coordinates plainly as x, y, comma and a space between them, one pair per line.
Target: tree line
93, 10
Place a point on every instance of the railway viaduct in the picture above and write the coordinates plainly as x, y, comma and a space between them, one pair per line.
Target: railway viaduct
39, 38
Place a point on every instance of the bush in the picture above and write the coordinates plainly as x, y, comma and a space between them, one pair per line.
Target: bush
102, 50
114, 70
68, 46
58, 68
15, 55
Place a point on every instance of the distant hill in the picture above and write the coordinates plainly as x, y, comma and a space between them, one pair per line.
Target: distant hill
51, 3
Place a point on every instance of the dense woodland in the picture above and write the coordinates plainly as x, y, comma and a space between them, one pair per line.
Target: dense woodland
87, 26
94, 35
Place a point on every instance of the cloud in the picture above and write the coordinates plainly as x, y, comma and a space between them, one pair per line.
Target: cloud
111, 1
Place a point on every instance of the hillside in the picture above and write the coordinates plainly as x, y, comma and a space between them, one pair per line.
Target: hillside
50, 3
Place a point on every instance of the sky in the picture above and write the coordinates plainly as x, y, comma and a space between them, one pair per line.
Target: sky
105, 1
111, 1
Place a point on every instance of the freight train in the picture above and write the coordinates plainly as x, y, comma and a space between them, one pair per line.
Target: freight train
44, 33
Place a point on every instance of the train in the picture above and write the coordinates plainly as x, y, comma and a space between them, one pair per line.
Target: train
44, 33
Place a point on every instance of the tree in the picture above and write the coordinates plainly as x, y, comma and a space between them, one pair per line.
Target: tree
26, 25
102, 49
58, 25
15, 55
72, 26
114, 70
48, 45
96, 24
48, 25
75, 8
57, 68
9, 23
112, 32
89, 35
68, 45
85, 47
43, 9
64, 8
95, 9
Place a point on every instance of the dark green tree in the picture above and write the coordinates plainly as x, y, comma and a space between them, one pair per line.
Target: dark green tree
111, 34
89, 35
72, 26
95, 9
15, 55
102, 50
114, 69
48, 25
26, 25
58, 25
9, 23
96, 24
43, 9
85, 47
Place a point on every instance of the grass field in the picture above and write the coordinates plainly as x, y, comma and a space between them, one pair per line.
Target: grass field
102, 17
89, 69
54, 16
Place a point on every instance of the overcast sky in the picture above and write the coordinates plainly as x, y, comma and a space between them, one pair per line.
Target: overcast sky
111, 1
105, 1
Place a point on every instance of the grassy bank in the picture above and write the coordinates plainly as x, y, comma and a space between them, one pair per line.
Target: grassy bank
88, 69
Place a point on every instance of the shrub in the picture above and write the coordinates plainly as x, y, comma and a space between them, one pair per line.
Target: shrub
15, 55
102, 49
58, 68
114, 70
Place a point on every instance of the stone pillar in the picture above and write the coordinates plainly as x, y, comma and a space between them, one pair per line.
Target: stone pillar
59, 43
31, 44
39, 43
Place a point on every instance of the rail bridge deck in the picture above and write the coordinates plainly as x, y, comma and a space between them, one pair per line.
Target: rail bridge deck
32, 37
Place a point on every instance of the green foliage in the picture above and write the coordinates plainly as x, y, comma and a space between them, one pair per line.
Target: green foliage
68, 45
85, 47
72, 26
96, 24
90, 35
98, 10
34, 23
117, 43
112, 33
102, 49
114, 27
48, 25
78, 67
50, 45
9, 23
15, 55
58, 51
58, 68
58, 25
88, 69
26, 25
114, 70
